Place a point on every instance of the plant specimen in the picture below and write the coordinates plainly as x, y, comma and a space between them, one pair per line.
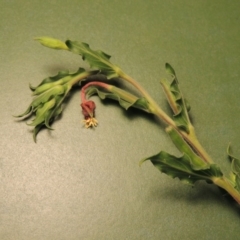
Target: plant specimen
193, 165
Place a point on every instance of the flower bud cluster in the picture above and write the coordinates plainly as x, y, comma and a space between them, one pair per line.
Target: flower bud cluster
49, 96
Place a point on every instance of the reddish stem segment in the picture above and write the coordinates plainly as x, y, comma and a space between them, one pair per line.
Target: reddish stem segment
84, 88
88, 106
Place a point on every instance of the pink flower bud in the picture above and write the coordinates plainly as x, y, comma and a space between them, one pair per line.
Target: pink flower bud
88, 108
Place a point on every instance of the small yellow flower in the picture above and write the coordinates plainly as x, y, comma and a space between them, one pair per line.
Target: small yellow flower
90, 122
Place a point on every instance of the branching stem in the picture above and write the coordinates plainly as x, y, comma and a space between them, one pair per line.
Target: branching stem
157, 111
225, 183
80, 77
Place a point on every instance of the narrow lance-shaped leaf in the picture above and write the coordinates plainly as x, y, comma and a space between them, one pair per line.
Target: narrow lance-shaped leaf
235, 168
96, 59
181, 168
176, 101
170, 70
124, 98
196, 162
189, 168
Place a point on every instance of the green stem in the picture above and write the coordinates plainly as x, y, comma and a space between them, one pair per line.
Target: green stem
196, 145
80, 77
226, 184
156, 110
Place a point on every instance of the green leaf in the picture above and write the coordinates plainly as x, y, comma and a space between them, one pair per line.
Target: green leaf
196, 162
181, 168
176, 101
189, 168
124, 98
237, 177
235, 168
170, 69
96, 59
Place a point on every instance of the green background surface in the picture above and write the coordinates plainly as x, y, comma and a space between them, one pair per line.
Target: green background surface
86, 184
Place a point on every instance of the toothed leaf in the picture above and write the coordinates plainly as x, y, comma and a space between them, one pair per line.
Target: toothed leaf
96, 59
196, 162
125, 99
176, 101
235, 168
170, 69
181, 168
